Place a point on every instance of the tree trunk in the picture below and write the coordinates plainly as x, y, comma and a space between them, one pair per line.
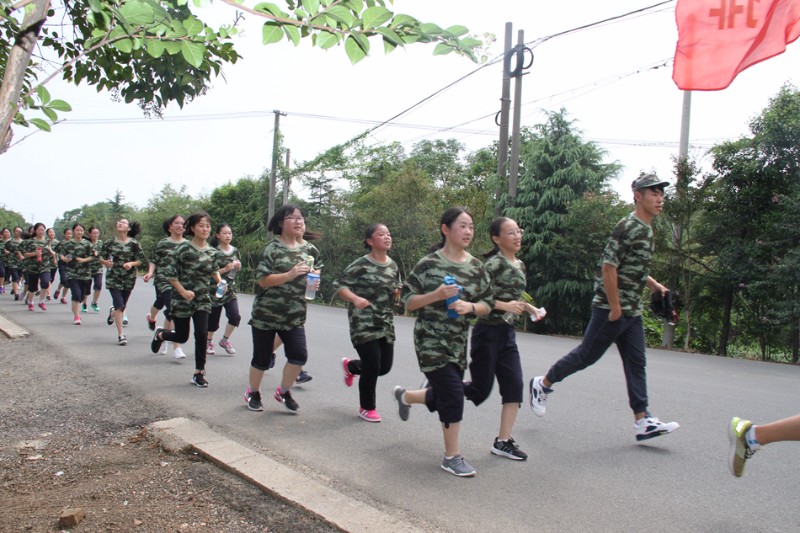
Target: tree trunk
726, 323
18, 59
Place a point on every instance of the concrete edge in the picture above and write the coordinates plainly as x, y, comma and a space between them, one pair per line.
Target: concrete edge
12, 330
278, 480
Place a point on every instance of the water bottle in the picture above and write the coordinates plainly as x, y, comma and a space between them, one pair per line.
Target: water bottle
450, 280
221, 288
311, 285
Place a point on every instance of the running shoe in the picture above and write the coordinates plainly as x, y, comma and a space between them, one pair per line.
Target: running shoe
253, 400
740, 452
227, 346
370, 415
42, 306
177, 353
110, 319
458, 466
95, 308
403, 409
122, 340
287, 400
63, 300
124, 319
151, 324
508, 448
155, 344
210, 348
303, 377
48, 298
538, 395
650, 426
163, 350
200, 380
77, 320
83, 308
348, 376
30, 307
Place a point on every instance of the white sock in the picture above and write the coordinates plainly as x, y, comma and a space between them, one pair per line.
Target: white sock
750, 439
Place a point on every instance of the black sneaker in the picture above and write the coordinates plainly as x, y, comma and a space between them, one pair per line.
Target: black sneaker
199, 379
122, 340
110, 319
253, 400
508, 449
287, 400
155, 344
303, 377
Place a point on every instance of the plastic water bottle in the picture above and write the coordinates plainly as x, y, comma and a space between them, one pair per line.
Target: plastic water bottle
221, 288
450, 280
311, 285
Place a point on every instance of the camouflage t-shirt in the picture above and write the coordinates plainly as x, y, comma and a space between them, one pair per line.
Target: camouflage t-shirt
283, 307
163, 250
97, 250
77, 249
439, 339
120, 253
376, 282
230, 277
12, 261
630, 249
30, 265
52, 244
193, 268
508, 283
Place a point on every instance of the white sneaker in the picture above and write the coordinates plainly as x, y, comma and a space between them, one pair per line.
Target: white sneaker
164, 348
538, 395
650, 426
178, 353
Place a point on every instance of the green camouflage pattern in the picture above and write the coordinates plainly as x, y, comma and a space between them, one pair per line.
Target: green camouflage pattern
77, 249
163, 250
377, 283
193, 268
120, 253
52, 244
508, 283
439, 339
230, 277
97, 251
30, 265
629, 248
11, 259
281, 308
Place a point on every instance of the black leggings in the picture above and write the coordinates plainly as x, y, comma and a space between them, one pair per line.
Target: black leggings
181, 334
231, 312
34, 280
376, 360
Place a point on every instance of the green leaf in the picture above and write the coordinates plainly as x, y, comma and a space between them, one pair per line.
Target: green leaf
155, 47
178, 30
269, 8
193, 26
271, 32
50, 114
193, 53
400, 21
356, 6
442, 49
136, 13
293, 34
312, 6
342, 15
388, 46
326, 39
375, 16
390, 35
457, 31
41, 124
172, 47
355, 49
431, 29
60, 105
123, 45
43, 93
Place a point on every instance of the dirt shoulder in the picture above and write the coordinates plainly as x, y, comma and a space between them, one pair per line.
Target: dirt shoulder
72, 439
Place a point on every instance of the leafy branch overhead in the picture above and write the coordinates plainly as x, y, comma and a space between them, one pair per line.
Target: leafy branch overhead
154, 52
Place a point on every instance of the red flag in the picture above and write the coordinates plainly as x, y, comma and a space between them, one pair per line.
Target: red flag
717, 39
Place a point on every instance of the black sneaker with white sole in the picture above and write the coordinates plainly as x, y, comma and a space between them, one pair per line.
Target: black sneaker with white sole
508, 448
199, 379
650, 427
286, 399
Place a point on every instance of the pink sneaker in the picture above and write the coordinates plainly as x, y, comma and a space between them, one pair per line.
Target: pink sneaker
77, 320
227, 346
63, 300
348, 380
370, 415
42, 306
30, 307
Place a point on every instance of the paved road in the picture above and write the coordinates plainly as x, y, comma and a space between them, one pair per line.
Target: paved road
585, 473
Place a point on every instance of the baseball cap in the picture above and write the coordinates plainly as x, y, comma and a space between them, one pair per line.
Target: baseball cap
648, 180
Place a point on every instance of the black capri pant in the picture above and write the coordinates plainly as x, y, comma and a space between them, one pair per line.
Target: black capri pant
231, 312
294, 345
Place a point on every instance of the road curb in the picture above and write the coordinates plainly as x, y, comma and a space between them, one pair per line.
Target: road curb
12, 330
280, 481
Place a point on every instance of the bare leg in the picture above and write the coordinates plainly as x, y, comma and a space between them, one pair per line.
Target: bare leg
780, 430
507, 418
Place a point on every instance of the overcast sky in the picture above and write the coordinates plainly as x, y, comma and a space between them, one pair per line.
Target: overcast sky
606, 77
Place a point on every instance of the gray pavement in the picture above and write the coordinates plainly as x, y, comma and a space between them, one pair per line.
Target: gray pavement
585, 473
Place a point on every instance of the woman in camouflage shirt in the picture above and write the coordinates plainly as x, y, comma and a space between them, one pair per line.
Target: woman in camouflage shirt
13, 262
36, 258
76, 254
439, 339
5, 236
368, 285
279, 307
63, 278
96, 269
229, 266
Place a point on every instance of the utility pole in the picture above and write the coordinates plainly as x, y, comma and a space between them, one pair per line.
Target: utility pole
513, 171
286, 179
505, 104
274, 171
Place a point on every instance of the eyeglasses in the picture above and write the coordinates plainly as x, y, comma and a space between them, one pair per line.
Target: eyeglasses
296, 218
515, 232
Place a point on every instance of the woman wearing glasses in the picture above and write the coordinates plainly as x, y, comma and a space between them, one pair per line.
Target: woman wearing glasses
121, 255
280, 305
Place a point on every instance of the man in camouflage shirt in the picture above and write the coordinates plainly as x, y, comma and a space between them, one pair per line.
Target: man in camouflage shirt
617, 310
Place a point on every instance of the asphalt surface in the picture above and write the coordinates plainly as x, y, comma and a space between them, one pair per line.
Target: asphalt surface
586, 472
